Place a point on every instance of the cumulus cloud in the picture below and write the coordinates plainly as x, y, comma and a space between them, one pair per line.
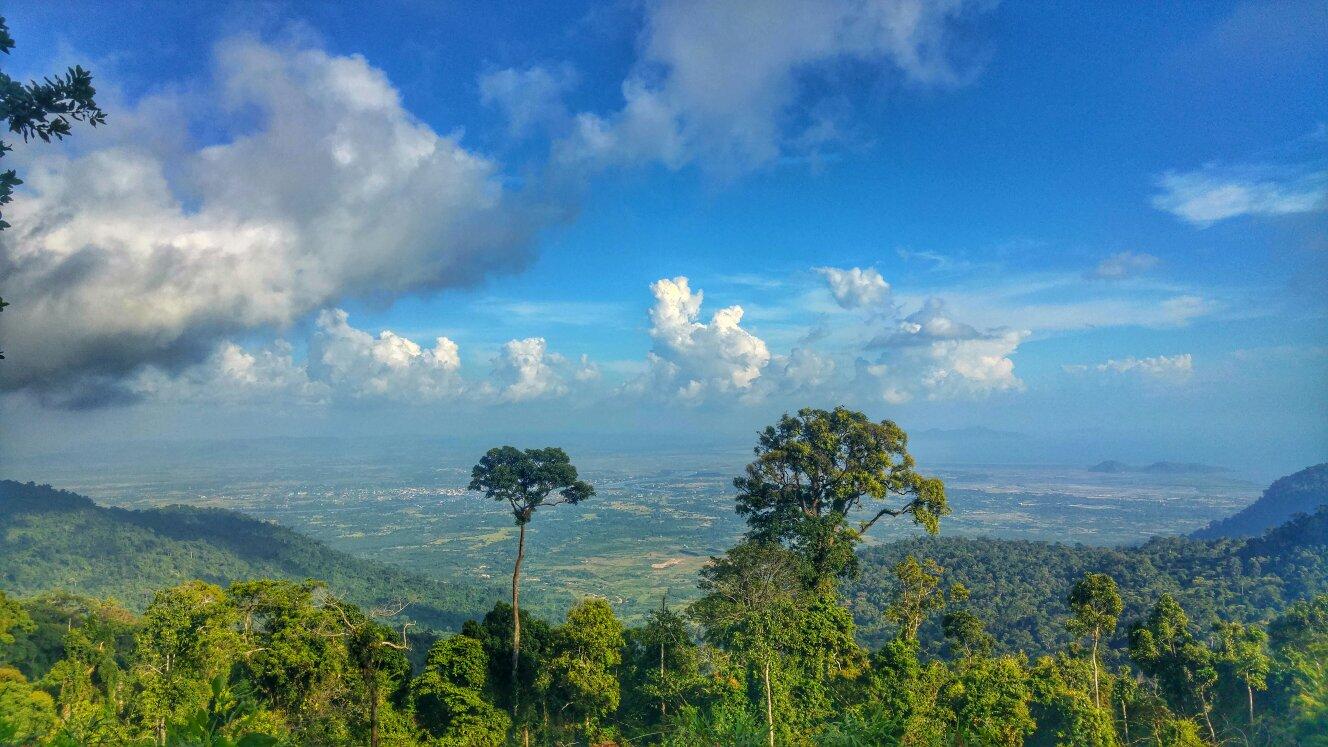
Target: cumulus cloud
717, 83
932, 354
525, 370
1166, 367
1209, 195
928, 354
856, 288
690, 359
803, 370
357, 364
346, 364
1123, 265
126, 256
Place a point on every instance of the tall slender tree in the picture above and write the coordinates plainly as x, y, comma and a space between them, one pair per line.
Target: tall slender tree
1245, 649
525, 479
1182, 666
1095, 607
751, 606
920, 594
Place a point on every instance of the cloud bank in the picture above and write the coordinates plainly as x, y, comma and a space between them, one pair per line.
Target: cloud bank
126, 256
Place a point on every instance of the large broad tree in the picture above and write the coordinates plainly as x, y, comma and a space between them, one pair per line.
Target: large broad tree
526, 479
187, 637
1095, 607
12, 618
823, 478
449, 698
41, 111
582, 669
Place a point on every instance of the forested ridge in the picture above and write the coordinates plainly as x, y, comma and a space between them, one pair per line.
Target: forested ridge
1301, 493
1020, 586
967, 642
57, 540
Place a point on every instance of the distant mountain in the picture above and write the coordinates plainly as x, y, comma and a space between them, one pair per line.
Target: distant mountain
1157, 468
1301, 493
1181, 468
53, 539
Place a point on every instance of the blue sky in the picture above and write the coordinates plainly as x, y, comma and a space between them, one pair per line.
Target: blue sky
1052, 218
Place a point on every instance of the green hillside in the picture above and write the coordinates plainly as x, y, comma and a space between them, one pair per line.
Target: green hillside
1020, 587
53, 539
1301, 493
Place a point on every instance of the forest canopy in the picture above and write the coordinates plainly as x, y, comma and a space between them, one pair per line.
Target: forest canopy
933, 641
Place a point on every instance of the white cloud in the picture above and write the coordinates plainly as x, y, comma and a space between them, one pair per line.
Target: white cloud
356, 364
803, 370
345, 363
1061, 302
931, 354
856, 288
690, 359
1124, 265
127, 256
525, 370
528, 97
717, 83
1164, 367
232, 375
1209, 195
586, 370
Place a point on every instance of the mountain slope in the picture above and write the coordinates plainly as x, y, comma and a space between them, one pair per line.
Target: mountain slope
1301, 493
54, 539
1020, 587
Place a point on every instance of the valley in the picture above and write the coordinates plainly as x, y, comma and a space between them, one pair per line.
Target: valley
646, 533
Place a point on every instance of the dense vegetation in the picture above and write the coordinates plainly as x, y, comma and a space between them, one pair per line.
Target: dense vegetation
53, 539
1021, 587
1301, 493
1144, 646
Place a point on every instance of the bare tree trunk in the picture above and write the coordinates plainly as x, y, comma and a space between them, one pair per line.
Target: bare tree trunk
516, 618
1125, 720
1250, 691
663, 706
373, 709
1211, 731
769, 707
1097, 697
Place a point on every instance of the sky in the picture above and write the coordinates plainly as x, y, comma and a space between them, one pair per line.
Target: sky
621, 221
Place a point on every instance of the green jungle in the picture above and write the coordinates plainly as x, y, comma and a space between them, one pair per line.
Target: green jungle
209, 628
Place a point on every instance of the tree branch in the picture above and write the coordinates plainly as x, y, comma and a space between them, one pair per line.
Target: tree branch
908, 508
